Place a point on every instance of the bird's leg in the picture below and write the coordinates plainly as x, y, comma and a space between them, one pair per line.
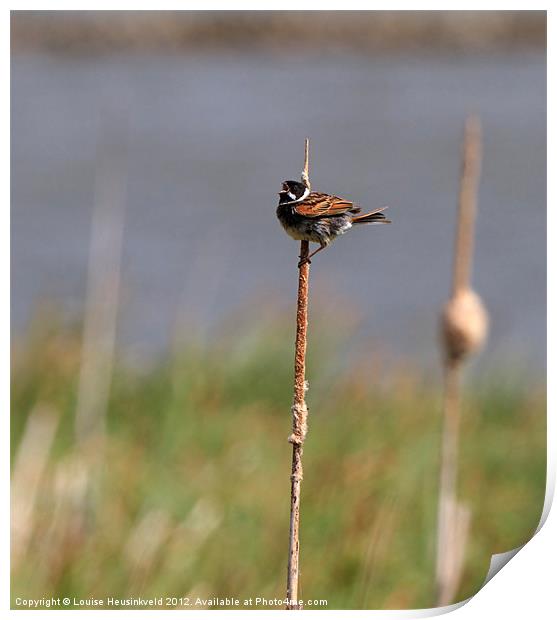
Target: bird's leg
321, 247
307, 260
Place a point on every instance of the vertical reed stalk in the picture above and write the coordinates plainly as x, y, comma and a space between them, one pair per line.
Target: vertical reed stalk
447, 571
103, 285
29, 468
299, 415
468, 205
101, 309
464, 327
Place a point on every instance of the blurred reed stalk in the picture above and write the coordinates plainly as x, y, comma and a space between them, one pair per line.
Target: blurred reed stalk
464, 324
103, 284
29, 468
299, 414
99, 330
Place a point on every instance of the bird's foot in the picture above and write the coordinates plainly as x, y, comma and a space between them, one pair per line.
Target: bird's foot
303, 261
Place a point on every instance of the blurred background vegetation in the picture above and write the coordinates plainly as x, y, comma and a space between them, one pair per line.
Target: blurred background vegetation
361, 31
192, 496
153, 299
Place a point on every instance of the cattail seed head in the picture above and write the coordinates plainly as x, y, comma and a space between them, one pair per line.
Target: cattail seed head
464, 325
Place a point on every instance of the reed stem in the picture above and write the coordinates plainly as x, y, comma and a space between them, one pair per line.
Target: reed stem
464, 328
299, 417
447, 573
467, 204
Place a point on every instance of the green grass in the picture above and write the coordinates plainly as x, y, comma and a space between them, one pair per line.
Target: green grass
192, 498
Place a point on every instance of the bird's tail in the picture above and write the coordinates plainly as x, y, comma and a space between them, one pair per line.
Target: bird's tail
374, 217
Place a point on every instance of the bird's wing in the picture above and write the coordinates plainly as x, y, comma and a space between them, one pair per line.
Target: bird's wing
324, 205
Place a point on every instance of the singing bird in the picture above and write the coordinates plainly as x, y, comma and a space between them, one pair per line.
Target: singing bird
319, 218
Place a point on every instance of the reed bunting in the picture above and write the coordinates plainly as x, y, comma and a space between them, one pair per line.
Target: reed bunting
320, 218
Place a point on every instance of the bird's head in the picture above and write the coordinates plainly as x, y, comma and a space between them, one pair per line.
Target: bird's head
292, 191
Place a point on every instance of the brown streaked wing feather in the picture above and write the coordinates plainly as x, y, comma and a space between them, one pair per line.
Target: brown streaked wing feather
324, 205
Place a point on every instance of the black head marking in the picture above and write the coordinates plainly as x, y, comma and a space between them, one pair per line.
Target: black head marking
292, 191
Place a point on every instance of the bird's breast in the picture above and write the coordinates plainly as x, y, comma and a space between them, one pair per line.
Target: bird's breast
317, 230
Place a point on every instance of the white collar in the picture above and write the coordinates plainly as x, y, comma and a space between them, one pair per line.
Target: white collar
302, 197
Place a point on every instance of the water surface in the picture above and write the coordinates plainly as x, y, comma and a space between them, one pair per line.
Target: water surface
210, 139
